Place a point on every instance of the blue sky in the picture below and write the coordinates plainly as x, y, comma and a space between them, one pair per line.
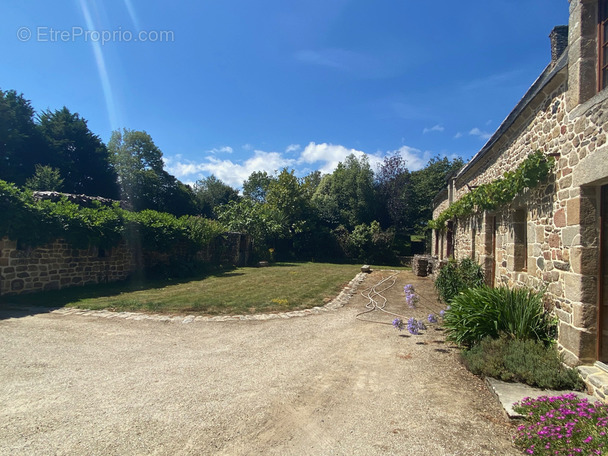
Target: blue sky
228, 87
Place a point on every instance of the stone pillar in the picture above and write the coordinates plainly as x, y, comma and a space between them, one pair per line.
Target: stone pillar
582, 52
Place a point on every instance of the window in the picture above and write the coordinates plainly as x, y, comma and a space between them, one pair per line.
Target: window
520, 240
603, 45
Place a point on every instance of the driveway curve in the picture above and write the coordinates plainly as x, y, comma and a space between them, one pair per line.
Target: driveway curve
326, 384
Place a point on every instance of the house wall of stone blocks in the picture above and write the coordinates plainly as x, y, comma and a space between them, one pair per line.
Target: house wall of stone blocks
549, 237
58, 265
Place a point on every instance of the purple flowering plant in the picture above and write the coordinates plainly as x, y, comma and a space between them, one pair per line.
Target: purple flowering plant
413, 327
410, 296
562, 425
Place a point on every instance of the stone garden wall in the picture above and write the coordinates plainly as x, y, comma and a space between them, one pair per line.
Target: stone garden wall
58, 265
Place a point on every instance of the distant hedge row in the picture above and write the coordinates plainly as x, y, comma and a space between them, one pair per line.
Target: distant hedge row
35, 223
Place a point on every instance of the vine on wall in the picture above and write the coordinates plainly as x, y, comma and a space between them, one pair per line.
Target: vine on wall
532, 171
35, 223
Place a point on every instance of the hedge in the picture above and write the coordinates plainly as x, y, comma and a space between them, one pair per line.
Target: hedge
34, 223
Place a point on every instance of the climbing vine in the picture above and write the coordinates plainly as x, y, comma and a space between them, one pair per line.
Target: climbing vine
533, 170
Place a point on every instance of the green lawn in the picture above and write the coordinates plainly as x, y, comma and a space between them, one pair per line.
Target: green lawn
281, 287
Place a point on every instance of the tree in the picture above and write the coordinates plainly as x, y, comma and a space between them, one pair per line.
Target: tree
21, 147
264, 223
392, 181
425, 184
349, 191
286, 194
80, 155
256, 186
143, 182
45, 179
210, 193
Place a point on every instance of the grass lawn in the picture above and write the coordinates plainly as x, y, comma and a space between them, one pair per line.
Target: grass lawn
281, 287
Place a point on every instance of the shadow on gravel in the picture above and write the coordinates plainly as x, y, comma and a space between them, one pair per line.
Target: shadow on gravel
20, 306
8, 311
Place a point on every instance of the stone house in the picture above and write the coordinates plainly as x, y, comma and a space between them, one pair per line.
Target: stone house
553, 236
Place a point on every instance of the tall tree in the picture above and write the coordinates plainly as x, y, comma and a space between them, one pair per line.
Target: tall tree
392, 181
80, 155
349, 191
210, 193
425, 184
143, 182
21, 147
256, 186
286, 194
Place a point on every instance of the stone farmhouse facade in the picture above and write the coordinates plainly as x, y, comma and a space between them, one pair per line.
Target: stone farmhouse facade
553, 236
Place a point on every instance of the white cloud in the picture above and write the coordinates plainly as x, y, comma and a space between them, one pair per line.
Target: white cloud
458, 135
480, 133
415, 159
327, 156
232, 173
438, 128
323, 157
221, 150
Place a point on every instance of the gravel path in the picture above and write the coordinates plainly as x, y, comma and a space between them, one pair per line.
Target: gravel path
325, 384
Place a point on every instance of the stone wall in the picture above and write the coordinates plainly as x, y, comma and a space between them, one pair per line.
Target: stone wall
560, 225
58, 265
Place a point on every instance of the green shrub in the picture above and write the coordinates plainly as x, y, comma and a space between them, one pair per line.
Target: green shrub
35, 223
525, 361
482, 312
456, 277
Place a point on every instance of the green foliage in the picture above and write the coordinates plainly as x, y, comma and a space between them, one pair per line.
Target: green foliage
263, 222
456, 277
81, 156
21, 146
36, 223
348, 193
482, 312
532, 171
210, 193
256, 186
368, 243
526, 361
45, 179
424, 185
144, 184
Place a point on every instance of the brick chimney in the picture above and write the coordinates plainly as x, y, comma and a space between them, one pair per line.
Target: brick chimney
559, 41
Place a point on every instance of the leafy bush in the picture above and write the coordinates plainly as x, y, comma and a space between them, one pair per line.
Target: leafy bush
368, 243
456, 277
525, 361
482, 312
562, 425
35, 223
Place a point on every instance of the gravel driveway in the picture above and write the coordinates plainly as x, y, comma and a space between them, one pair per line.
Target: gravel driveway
324, 384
